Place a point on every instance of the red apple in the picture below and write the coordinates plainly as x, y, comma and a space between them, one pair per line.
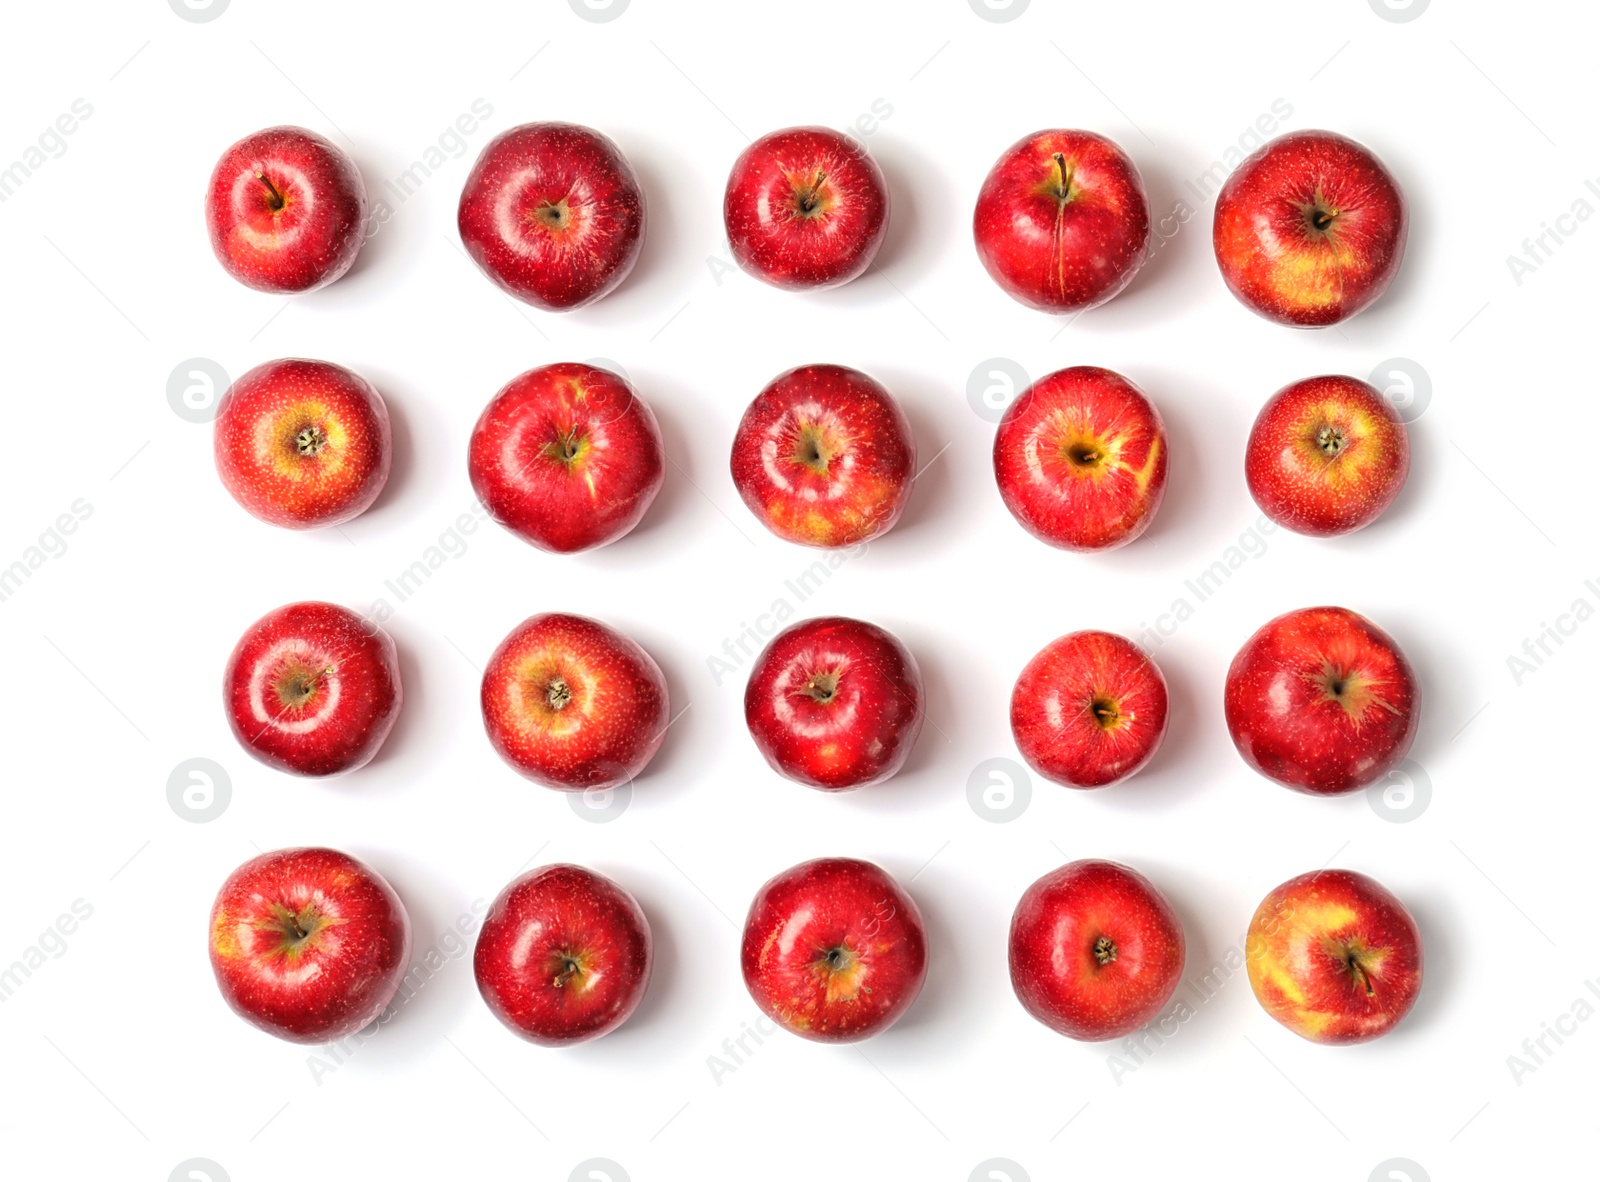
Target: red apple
308, 944
805, 208
567, 457
1096, 950
302, 443
564, 956
1322, 701
286, 210
1335, 957
1326, 456
1309, 230
313, 688
834, 950
1081, 459
1062, 222
553, 214
572, 704
824, 457
834, 703
1089, 710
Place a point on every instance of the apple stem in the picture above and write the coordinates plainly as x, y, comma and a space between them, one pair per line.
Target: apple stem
569, 970
566, 447
276, 198
1355, 966
808, 199
1105, 712
1064, 189
1321, 219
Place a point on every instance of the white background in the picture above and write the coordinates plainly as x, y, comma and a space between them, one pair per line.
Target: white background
120, 1058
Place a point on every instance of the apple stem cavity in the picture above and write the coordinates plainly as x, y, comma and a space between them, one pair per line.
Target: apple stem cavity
1105, 951
822, 687
299, 686
275, 199
570, 968
555, 215
558, 693
567, 447
310, 441
811, 198
1105, 713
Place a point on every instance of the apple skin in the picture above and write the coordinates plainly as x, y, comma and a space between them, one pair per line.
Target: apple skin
1327, 456
834, 950
1309, 229
805, 208
572, 704
1321, 700
313, 688
302, 444
825, 457
567, 457
286, 210
564, 956
1334, 957
1081, 459
1055, 247
835, 703
552, 214
1089, 710
1096, 950
308, 944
